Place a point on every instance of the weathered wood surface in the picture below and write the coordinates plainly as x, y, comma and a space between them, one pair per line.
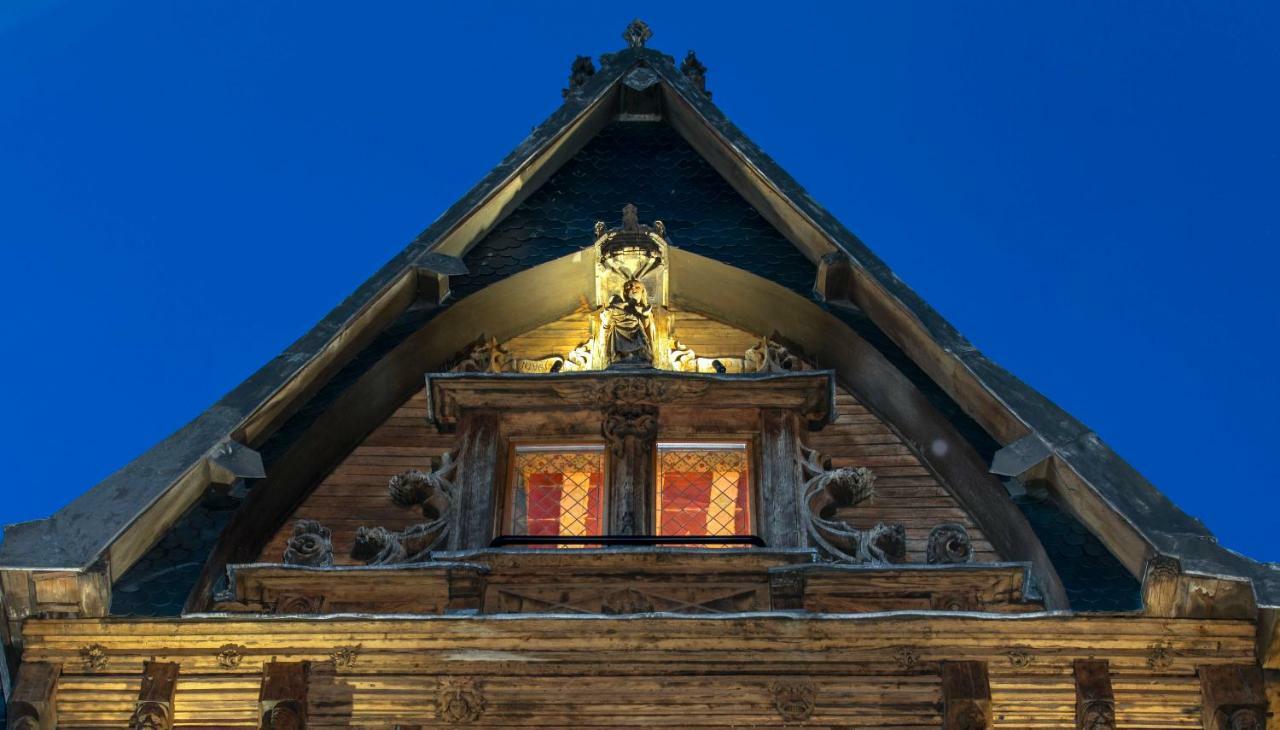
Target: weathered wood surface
610, 580
874, 671
476, 486
781, 519
354, 494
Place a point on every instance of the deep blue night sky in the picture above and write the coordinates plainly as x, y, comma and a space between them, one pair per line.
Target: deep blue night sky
1088, 191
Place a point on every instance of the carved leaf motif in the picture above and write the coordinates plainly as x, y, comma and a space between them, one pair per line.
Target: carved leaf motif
94, 657
229, 656
459, 701
432, 492
825, 492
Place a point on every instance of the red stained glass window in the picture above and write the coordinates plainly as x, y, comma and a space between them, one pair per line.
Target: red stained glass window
558, 490
703, 489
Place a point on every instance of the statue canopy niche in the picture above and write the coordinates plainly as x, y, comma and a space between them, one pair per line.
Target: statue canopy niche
630, 324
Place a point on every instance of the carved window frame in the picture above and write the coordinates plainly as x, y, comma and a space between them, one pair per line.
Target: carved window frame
750, 441
507, 488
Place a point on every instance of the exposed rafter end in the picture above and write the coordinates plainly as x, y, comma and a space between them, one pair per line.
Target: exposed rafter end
1020, 456
434, 270
231, 460
834, 282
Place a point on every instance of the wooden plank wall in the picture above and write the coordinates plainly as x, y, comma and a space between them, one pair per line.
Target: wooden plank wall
355, 493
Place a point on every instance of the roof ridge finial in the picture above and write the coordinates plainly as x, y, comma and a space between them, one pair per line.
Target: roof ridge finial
637, 33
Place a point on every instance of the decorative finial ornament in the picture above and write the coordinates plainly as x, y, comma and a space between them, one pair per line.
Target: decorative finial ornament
580, 73
695, 71
637, 33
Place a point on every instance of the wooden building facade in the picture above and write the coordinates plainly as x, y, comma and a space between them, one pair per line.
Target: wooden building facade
635, 435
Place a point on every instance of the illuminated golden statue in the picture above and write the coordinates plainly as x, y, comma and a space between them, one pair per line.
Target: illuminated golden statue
627, 328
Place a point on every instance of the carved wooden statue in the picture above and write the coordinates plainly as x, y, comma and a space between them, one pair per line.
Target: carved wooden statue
627, 326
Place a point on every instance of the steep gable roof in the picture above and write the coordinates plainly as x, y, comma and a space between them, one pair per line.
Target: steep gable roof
160, 485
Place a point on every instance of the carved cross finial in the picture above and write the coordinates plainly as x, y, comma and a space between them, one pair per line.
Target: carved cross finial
637, 33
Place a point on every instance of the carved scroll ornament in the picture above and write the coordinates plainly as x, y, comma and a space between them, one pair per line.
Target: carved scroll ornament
826, 491
431, 492
310, 544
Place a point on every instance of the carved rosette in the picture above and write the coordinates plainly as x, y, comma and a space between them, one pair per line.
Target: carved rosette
299, 604
284, 716
310, 544
94, 657
1098, 715
230, 656
459, 700
430, 492
949, 544
1241, 718
151, 716
794, 701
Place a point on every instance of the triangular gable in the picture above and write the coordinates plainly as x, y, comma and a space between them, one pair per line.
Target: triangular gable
124, 514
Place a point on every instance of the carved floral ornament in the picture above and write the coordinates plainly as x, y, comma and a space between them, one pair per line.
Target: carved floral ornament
229, 656
310, 544
94, 657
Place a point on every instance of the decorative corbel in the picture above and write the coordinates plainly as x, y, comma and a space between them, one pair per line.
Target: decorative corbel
966, 696
1233, 697
282, 698
154, 709
33, 705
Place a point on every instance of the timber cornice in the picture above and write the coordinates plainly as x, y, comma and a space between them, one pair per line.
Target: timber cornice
540, 642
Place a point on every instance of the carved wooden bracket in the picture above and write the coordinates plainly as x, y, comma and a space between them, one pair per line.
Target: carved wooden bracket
966, 696
154, 709
1095, 702
34, 702
282, 700
1233, 697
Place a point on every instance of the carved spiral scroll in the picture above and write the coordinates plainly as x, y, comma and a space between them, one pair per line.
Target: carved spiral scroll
826, 491
949, 544
432, 493
310, 544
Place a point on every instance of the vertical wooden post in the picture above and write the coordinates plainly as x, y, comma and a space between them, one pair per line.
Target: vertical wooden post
478, 461
1232, 697
632, 433
34, 703
282, 700
782, 519
1095, 702
154, 709
966, 696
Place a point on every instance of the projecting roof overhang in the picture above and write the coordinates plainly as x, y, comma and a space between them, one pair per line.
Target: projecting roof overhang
1136, 520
